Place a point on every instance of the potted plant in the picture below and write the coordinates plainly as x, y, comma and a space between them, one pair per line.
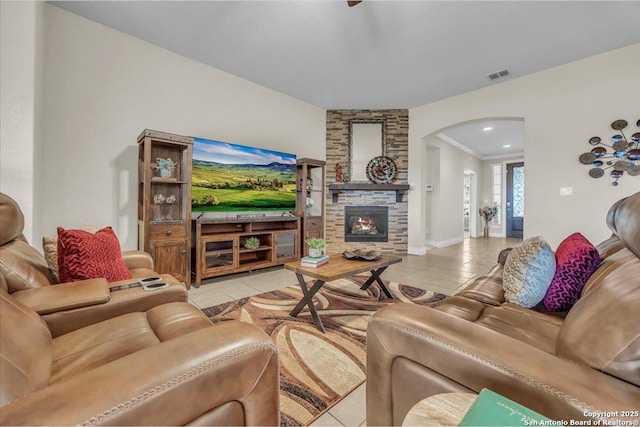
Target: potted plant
252, 243
316, 245
165, 166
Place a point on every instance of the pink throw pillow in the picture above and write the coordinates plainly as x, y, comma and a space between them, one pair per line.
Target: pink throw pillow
576, 260
84, 255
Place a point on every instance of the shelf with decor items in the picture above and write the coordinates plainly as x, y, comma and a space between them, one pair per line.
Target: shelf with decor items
310, 175
164, 201
232, 245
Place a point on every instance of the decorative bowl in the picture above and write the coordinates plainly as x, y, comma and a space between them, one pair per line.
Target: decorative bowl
367, 255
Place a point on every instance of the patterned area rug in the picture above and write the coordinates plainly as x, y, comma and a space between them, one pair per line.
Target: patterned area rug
317, 370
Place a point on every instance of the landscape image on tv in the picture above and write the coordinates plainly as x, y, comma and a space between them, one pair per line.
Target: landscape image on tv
228, 177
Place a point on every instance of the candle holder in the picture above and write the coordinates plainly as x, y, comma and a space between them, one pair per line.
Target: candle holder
158, 199
170, 200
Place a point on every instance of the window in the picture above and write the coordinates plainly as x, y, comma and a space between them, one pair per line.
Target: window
518, 191
496, 192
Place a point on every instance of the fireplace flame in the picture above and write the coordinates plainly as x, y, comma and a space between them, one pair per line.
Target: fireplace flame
366, 223
363, 226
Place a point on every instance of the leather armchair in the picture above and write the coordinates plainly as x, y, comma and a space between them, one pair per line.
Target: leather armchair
26, 275
164, 366
567, 366
24, 267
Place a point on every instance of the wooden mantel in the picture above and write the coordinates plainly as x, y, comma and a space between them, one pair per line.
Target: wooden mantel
365, 186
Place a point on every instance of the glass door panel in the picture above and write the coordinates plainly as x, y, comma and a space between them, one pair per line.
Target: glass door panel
286, 246
219, 254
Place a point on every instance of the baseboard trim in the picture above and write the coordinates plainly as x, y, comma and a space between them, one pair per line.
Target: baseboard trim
422, 250
443, 243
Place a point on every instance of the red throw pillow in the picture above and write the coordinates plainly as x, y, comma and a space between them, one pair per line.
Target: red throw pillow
576, 260
83, 255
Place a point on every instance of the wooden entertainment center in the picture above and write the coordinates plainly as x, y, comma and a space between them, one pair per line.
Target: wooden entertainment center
220, 244
198, 249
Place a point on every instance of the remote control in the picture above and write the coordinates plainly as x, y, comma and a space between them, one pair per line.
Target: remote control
127, 286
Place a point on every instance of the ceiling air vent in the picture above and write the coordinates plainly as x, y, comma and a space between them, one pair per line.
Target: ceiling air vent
498, 74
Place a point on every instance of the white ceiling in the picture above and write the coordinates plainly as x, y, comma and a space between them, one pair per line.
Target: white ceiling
502, 138
378, 54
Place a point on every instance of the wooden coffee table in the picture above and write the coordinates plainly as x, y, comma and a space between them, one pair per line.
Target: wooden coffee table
338, 267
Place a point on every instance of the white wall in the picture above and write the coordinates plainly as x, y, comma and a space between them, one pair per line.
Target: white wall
431, 177
102, 88
562, 108
444, 169
20, 74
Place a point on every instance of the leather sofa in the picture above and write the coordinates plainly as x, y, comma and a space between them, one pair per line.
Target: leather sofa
80, 353
568, 366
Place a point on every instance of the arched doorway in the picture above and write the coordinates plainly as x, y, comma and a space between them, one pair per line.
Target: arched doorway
465, 169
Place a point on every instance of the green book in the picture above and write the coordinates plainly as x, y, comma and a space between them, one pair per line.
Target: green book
492, 409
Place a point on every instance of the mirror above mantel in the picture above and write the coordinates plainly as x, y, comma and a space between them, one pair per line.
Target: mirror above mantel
367, 139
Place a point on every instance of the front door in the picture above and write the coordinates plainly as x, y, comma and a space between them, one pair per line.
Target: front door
515, 199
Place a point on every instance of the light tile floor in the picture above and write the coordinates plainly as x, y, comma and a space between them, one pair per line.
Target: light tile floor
445, 270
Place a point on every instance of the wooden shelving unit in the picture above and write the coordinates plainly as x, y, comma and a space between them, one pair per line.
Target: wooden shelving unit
220, 245
163, 227
310, 185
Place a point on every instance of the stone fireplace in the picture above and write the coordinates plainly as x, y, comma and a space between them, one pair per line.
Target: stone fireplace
342, 198
366, 223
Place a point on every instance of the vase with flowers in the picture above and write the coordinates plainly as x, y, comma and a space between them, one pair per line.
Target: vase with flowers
165, 166
488, 213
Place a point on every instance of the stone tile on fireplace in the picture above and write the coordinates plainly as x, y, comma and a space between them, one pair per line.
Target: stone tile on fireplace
337, 151
396, 229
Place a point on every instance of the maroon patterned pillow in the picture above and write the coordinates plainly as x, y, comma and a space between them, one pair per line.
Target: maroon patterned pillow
576, 260
84, 255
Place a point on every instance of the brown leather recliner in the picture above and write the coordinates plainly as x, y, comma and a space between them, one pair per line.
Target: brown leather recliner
24, 266
69, 306
566, 367
78, 353
165, 366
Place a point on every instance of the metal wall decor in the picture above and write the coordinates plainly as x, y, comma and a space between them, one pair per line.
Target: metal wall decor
381, 170
624, 157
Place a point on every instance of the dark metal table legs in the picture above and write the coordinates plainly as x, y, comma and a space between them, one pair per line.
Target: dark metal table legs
308, 293
307, 299
375, 276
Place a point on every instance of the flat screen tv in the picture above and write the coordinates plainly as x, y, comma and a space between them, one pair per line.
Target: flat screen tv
233, 178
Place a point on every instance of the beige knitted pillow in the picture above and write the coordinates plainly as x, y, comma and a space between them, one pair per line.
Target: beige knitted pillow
50, 249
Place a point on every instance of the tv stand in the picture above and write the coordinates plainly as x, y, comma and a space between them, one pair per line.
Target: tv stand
220, 244
245, 216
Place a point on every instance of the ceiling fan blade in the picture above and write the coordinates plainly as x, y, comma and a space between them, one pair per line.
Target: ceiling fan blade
353, 3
